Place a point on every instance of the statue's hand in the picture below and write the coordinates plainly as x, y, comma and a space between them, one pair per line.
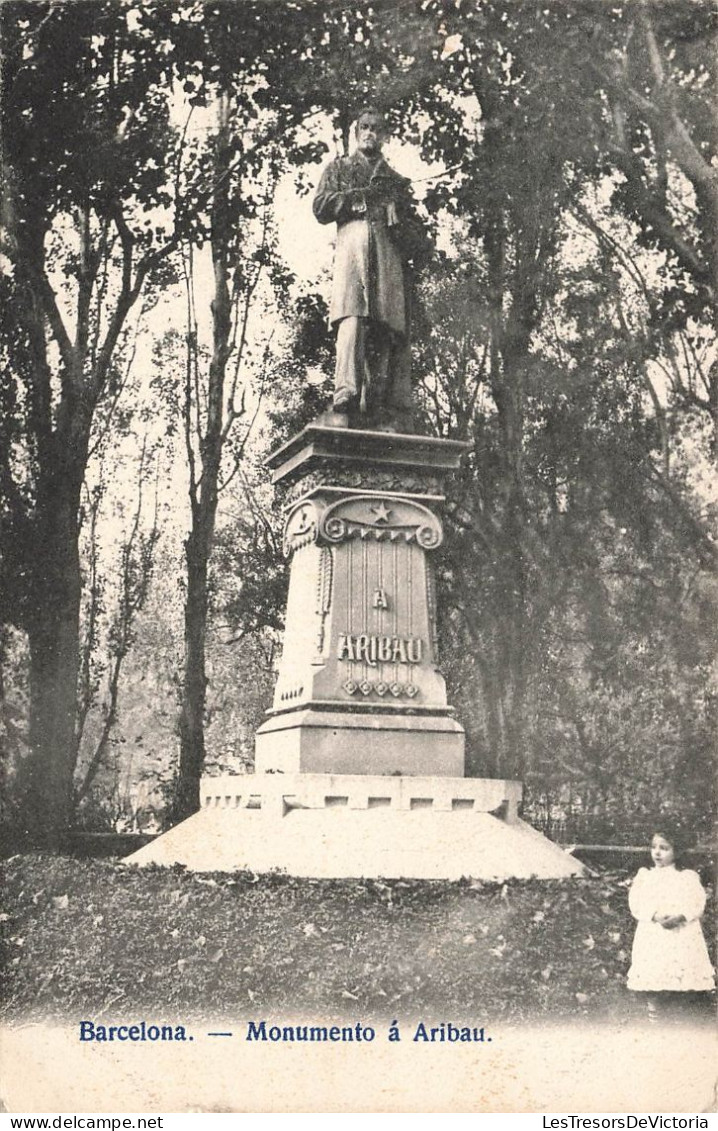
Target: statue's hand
356, 198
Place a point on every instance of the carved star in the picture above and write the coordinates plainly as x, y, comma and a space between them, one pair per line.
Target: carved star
381, 511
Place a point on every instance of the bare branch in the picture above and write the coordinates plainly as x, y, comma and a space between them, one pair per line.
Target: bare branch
180, 153
85, 697
48, 301
87, 273
132, 599
187, 400
105, 249
129, 291
121, 386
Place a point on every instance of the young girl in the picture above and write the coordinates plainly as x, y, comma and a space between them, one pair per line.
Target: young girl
669, 952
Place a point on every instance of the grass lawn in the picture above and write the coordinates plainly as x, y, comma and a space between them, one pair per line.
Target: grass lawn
104, 939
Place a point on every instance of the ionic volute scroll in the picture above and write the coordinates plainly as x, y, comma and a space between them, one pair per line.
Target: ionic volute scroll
380, 518
300, 527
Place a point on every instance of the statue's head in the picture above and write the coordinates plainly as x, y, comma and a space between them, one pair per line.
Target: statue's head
371, 130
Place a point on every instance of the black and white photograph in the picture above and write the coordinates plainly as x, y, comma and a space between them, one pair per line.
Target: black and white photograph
358, 598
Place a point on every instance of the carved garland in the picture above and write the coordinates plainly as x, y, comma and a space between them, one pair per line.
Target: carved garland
324, 594
431, 608
329, 475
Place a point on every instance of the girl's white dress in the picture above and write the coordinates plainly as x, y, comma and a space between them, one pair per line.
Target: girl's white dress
663, 959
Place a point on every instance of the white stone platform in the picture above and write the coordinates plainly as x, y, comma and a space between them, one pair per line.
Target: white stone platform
333, 826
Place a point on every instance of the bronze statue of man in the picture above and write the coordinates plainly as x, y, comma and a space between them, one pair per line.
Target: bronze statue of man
380, 239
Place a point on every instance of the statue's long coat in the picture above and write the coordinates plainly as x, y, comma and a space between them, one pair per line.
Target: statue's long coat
369, 279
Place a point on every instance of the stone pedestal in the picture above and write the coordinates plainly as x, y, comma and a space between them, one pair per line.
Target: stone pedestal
360, 763
359, 688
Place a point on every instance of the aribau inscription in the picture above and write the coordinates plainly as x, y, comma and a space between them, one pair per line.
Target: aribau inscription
375, 650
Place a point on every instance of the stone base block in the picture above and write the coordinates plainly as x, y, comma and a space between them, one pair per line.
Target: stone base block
334, 827
281, 792
343, 742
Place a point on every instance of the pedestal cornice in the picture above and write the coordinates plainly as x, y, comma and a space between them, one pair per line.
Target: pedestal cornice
318, 447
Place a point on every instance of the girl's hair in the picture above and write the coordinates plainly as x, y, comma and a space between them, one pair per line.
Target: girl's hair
673, 832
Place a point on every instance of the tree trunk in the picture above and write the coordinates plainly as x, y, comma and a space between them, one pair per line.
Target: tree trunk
53, 627
186, 799
204, 493
517, 277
